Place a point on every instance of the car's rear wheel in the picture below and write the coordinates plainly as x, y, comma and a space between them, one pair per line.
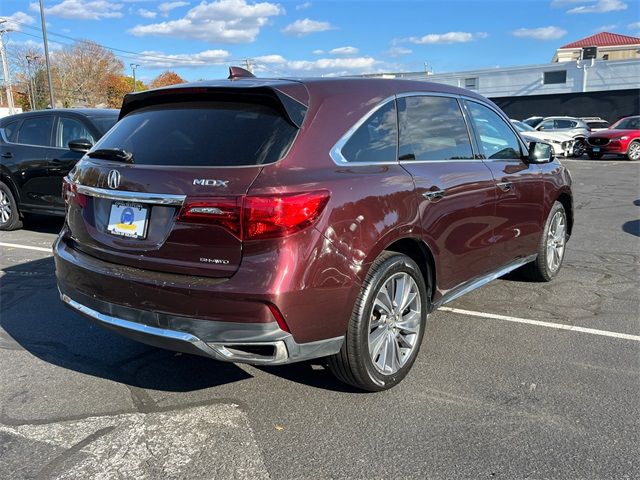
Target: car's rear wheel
9, 214
595, 156
633, 151
386, 327
552, 246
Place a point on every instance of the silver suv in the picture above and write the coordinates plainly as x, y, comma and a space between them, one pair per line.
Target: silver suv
575, 127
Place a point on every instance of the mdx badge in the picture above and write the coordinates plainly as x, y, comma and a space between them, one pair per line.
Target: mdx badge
113, 179
210, 182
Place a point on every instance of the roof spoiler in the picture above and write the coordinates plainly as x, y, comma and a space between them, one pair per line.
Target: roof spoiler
293, 110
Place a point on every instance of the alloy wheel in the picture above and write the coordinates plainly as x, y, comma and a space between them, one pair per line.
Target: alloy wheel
5, 208
394, 326
634, 151
556, 239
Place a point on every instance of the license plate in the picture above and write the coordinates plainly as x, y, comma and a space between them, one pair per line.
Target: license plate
128, 220
596, 149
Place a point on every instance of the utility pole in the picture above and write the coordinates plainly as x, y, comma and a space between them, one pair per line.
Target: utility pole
32, 86
133, 68
5, 69
46, 54
248, 64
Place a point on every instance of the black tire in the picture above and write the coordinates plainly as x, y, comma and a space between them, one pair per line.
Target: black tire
633, 151
540, 270
9, 214
353, 365
595, 156
579, 148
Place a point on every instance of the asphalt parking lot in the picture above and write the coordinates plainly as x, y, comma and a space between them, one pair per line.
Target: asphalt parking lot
515, 380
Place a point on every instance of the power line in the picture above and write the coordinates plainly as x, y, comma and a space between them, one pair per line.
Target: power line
113, 49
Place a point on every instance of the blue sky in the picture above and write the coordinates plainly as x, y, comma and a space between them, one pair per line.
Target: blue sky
199, 39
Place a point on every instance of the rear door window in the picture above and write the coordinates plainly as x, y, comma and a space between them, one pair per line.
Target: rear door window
562, 124
432, 128
376, 140
203, 134
36, 131
71, 129
497, 139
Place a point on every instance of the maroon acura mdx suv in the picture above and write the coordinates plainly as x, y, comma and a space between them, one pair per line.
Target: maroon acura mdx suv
270, 221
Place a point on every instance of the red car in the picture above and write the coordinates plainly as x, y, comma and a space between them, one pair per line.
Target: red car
621, 138
270, 221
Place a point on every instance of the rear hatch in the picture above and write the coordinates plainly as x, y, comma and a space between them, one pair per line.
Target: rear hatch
163, 190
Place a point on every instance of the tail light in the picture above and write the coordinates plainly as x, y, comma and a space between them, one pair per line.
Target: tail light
257, 217
70, 194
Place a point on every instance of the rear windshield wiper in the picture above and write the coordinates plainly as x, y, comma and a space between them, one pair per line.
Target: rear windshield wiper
112, 154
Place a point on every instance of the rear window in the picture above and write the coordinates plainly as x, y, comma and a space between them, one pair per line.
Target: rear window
104, 122
597, 124
203, 134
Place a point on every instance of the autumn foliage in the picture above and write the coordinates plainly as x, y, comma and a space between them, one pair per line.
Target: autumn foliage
166, 78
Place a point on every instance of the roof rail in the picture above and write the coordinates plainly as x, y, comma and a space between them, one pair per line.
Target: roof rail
238, 72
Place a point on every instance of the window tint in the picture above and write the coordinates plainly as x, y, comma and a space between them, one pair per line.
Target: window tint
11, 131
104, 122
547, 125
497, 140
71, 129
432, 128
376, 139
631, 123
36, 131
203, 134
565, 124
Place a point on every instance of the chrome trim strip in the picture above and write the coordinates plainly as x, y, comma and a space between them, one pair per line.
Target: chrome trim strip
136, 197
285, 350
483, 280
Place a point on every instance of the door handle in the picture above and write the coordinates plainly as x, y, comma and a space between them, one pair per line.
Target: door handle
434, 194
7, 155
504, 186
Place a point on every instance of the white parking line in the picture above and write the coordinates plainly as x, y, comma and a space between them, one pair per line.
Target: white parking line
559, 326
25, 247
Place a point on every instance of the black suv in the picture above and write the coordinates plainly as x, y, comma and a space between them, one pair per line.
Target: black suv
37, 150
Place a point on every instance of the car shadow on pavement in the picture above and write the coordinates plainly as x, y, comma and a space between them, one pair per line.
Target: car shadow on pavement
632, 227
43, 224
35, 319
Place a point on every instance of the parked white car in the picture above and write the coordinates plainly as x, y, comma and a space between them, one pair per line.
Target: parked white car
562, 143
577, 128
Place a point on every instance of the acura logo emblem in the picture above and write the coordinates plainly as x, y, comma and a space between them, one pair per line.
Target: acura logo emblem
113, 180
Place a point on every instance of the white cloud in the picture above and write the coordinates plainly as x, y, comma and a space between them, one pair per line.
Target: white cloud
318, 52
143, 12
14, 20
344, 51
224, 21
634, 26
323, 66
82, 9
165, 7
398, 51
541, 33
601, 6
303, 6
306, 26
606, 28
155, 59
443, 38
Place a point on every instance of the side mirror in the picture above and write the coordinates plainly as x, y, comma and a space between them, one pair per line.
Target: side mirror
540, 152
540, 128
80, 145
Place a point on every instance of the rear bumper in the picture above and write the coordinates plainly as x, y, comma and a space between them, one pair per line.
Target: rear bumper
254, 343
204, 316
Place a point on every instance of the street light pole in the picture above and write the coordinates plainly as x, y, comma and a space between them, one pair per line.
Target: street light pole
46, 54
133, 68
5, 70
